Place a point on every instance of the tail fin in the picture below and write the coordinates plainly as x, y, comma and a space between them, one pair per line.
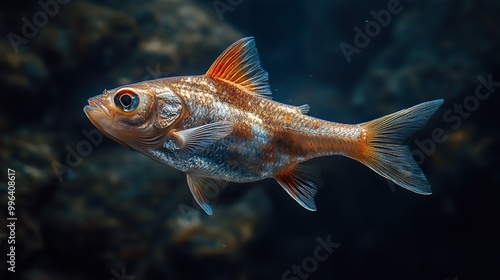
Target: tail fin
385, 151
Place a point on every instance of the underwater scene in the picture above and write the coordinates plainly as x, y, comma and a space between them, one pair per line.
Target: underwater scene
250, 139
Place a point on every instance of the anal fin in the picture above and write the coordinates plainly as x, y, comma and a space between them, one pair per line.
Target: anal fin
301, 182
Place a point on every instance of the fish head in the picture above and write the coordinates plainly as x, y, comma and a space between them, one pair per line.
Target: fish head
137, 116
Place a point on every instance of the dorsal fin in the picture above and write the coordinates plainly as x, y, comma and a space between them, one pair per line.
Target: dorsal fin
304, 108
240, 64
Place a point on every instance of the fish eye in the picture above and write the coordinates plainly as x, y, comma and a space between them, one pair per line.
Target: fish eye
127, 100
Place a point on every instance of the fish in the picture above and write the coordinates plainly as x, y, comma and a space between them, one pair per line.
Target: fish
224, 127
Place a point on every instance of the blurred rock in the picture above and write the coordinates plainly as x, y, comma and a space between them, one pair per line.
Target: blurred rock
30, 152
121, 209
437, 49
117, 211
98, 44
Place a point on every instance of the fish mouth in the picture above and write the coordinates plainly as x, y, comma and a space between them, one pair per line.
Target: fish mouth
96, 105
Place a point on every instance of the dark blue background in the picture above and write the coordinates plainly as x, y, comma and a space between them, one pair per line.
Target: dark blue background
116, 211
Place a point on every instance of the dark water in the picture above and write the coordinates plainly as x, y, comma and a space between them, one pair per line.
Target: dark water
91, 209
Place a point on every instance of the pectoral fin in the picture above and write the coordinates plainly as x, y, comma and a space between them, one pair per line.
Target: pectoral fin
196, 139
301, 183
205, 190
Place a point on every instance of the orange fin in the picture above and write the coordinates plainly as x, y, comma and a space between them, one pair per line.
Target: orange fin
206, 190
301, 183
384, 150
240, 64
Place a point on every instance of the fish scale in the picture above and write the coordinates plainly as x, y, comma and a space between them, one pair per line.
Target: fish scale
223, 127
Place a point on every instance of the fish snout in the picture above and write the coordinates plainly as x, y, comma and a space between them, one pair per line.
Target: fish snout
96, 105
